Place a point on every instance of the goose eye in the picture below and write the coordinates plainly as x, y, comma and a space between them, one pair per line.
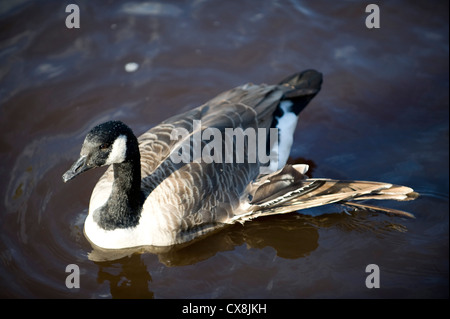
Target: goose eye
104, 146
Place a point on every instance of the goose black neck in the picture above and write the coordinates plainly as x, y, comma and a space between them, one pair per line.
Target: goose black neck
123, 208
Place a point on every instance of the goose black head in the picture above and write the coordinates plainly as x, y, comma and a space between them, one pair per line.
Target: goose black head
105, 144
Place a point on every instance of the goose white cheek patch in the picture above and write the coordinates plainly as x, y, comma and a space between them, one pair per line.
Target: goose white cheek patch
119, 150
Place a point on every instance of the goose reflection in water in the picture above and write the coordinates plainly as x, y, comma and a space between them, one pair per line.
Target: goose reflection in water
291, 236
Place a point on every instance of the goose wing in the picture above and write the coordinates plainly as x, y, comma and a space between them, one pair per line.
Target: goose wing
245, 106
289, 190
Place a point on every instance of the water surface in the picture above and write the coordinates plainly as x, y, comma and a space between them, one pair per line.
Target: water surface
382, 115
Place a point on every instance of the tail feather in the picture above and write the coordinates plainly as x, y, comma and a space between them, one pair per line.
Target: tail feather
288, 190
388, 211
301, 88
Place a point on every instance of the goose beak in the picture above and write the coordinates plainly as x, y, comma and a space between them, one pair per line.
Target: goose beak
77, 168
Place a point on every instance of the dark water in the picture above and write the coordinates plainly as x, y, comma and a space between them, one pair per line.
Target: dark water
382, 115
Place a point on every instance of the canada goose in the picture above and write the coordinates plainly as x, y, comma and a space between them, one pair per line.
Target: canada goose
149, 196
